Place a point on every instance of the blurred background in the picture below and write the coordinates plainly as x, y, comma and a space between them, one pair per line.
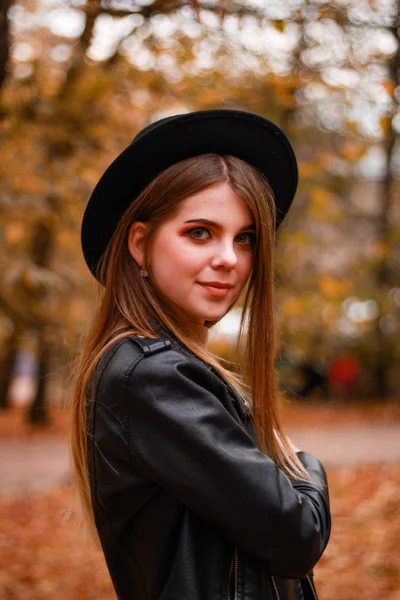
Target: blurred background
78, 79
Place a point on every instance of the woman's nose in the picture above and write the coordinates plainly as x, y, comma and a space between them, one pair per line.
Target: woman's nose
225, 256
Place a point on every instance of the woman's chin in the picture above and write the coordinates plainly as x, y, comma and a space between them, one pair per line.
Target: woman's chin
205, 319
214, 317
200, 317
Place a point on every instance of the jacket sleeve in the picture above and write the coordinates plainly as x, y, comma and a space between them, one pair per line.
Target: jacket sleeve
183, 438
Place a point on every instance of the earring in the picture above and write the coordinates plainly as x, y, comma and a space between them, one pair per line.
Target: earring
144, 273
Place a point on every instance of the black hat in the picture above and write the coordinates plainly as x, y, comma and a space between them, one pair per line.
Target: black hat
245, 135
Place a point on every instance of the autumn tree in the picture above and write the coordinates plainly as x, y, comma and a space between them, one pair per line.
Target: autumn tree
86, 79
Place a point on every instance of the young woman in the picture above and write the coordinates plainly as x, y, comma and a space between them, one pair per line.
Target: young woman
182, 468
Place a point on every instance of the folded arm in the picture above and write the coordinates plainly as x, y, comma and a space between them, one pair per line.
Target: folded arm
183, 438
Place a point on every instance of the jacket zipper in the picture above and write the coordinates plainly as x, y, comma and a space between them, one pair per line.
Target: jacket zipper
236, 574
235, 567
275, 587
314, 591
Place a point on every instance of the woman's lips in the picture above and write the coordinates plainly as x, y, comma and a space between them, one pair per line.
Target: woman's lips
215, 291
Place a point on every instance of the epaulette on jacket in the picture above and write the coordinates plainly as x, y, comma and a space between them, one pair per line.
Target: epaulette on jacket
149, 346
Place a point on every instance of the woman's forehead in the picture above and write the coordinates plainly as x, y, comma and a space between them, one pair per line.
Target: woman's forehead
219, 201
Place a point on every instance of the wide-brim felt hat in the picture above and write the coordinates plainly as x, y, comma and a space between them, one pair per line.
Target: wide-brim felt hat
167, 141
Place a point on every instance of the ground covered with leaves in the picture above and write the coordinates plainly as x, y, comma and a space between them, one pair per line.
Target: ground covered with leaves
42, 556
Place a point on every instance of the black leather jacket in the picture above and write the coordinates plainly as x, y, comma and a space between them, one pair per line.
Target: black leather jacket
186, 505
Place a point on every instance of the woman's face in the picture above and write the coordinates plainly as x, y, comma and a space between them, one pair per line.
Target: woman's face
202, 255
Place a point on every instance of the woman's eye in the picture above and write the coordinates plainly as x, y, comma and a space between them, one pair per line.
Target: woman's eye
246, 238
198, 233
203, 234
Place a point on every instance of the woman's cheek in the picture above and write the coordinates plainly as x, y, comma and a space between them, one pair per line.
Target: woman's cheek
246, 265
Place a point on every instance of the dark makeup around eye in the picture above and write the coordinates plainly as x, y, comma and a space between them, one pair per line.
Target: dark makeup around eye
250, 227
247, 229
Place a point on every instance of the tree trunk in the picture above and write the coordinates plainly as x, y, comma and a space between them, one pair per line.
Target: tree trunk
41, 251
7, 369
38, 411
385, 354
4, 39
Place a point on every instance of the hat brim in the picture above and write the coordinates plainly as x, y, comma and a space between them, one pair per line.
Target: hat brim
247, 136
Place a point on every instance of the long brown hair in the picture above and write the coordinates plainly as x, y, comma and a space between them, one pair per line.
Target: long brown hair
130, 305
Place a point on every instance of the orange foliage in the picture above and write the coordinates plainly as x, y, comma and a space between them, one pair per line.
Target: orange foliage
362, 559
334, 288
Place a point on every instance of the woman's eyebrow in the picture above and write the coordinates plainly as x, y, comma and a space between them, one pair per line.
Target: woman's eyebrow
218, 225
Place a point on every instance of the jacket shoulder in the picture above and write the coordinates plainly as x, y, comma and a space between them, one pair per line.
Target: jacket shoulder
119, 361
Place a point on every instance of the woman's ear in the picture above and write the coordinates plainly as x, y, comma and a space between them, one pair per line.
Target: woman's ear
136, 241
